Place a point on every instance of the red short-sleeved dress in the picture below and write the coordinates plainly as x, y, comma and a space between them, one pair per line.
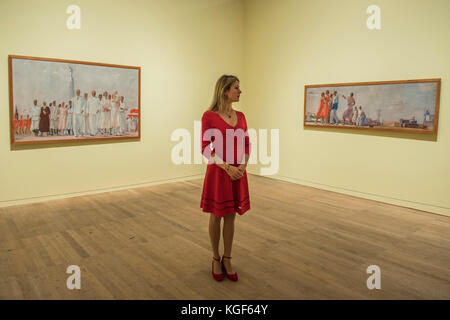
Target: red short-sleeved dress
221, 195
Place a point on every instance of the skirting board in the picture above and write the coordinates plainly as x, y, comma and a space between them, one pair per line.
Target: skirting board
8, 203
375, 197
398, 202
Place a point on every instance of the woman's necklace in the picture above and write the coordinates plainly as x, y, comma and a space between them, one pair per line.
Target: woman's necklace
229, 115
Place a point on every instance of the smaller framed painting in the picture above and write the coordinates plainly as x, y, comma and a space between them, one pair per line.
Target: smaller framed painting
402, 106
60, 101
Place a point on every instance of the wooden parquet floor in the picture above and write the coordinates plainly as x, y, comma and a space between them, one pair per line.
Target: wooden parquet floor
152, 242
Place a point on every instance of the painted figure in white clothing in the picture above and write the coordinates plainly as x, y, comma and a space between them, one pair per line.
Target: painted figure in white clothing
92, 110
355, 115
62, 122
53, 118
115, 104
86, 115
78, 114
359, 118
123, 113
69, 127
99, 114
106, 115
35, 117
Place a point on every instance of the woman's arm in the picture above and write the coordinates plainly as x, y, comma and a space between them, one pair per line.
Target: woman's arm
243, 166
247, 146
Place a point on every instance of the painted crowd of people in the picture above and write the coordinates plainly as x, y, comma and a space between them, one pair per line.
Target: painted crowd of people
329, 104
80, 116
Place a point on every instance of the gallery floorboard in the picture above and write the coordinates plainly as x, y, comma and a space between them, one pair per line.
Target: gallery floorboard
152, 242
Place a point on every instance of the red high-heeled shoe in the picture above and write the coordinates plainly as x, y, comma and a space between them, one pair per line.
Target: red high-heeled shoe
216, 276
232, 277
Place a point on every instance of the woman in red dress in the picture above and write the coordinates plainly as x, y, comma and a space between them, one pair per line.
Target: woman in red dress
225, 143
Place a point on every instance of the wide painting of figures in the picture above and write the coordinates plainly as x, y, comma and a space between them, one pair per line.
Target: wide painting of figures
54, 100
404, 106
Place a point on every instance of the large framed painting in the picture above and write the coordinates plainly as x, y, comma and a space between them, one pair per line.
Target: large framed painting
402, 106
57, 101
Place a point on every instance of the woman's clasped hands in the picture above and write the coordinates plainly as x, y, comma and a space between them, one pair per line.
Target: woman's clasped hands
236, 173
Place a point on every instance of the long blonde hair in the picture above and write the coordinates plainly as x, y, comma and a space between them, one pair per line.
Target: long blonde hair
222, 85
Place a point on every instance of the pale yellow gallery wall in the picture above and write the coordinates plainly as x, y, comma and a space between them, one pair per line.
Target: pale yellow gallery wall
292, 43
182, 47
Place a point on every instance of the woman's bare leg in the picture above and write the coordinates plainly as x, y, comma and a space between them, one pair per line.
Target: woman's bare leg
214, 235
228, 233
